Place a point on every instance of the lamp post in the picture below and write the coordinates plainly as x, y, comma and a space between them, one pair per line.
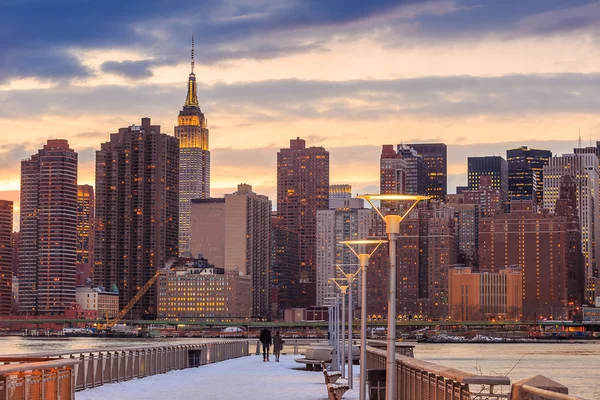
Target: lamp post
343, 289
335, 323
349, 278
392, 228
363, 259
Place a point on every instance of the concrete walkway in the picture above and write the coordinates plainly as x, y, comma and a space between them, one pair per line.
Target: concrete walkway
247, 378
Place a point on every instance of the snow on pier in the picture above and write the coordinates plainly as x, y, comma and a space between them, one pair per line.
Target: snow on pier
245, 378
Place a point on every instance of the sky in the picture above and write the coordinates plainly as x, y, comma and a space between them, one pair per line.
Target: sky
482, 76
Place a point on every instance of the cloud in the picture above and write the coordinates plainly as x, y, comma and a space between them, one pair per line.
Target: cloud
11, 154
130, 69
277, 100
52, 32
44, 64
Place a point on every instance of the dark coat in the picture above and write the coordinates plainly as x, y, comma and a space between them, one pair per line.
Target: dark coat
265, 337
277, 343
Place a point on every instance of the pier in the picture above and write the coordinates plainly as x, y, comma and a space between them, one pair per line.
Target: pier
229, 369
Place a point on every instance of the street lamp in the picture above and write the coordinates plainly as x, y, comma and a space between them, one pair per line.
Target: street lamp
343, 289
349, 278
392, 228
363, 259
335, 328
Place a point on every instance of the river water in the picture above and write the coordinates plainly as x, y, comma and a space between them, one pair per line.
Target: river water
575, 365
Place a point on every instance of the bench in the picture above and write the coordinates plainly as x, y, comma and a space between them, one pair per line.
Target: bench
314, 356
330, 377
334, 392
311, 365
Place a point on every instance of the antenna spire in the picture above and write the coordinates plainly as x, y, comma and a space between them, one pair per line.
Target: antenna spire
192, 54
579, 137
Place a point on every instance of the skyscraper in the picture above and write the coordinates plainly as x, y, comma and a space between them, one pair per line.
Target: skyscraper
194, 158
584, 170
284, 268
526, 173
435, 156
349, 220
235, 233
437, 229
137, 218
47, 265
416, 174
495, 167
85, 232
6, 256
589, 149
16, 245
392, 174
392, 171
302, 189
540, 244
339, 192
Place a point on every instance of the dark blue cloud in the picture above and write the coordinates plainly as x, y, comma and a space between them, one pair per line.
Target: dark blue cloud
54, 26
50, 31
478, 17
129, 69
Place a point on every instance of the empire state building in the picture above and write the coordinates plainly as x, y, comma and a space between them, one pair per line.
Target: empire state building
194, 165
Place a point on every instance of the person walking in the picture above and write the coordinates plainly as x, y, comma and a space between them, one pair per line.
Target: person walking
277, 345
266, 340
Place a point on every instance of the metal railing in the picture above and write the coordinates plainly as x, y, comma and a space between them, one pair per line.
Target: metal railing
94, 367
527, 392
422, 380
40, 380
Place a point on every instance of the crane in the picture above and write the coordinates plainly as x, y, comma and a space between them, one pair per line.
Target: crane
134, 300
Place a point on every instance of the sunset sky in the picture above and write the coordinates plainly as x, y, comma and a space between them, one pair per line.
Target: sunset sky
481, 76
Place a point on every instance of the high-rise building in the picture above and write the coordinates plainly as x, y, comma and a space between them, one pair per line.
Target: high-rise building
302, 189
495, 167
349, 220
466, 225
426, 248
539, 243
392, 171
16, 244
6, 256
526, 173
435, 156
339, 192
137, 217
194, 159
235, 233
416, 174
584, 169
486, 196
85, 232
588, 150
47, 265
475, 296
438, 219
194, 290
284, 268
409, 274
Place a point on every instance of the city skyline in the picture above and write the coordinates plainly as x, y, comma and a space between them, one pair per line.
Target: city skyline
460, 70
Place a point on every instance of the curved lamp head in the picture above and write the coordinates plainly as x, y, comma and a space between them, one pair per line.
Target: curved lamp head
393, 197
359, 242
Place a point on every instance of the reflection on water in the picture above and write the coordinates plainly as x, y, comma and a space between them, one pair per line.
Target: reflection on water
575, 365
22, 345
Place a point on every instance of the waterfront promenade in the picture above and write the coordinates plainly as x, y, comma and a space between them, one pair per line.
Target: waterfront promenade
246, 378
228, 369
